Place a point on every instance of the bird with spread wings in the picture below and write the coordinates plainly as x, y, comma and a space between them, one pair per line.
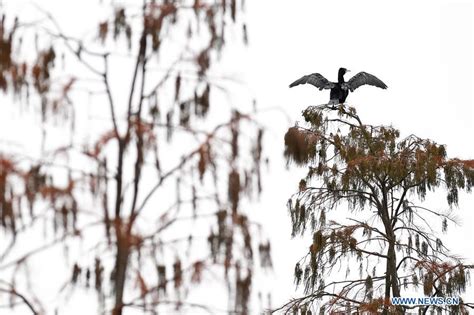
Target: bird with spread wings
341, 88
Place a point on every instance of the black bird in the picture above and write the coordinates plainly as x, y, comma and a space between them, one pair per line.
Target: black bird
340, 90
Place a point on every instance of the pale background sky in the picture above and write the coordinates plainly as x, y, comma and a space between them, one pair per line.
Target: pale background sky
421, 49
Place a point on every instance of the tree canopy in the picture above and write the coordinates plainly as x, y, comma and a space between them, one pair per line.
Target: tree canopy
363, 201
159, 197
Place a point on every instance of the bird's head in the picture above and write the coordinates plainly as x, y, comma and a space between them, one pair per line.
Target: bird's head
343, 71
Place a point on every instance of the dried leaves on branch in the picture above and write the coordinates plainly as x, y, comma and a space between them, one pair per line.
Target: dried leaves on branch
153, 178
363, 200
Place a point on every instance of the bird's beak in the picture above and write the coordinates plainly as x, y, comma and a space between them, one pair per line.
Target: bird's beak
348, 70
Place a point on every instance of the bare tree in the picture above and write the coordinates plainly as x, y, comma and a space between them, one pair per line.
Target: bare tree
379, 181
159, 194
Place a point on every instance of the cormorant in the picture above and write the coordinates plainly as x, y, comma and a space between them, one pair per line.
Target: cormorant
340, 90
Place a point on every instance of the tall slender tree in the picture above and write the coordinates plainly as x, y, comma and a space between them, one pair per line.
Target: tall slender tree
363, 200
157, 188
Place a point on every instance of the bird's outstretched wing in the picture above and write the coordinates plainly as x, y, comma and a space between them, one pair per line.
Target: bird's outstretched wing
363, 78
315, 79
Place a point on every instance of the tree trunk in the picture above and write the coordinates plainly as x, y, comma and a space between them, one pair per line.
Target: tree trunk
122, 241
387, 287
391, 276
121, 263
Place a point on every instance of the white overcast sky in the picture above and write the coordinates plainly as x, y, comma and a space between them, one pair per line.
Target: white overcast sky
423, 51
